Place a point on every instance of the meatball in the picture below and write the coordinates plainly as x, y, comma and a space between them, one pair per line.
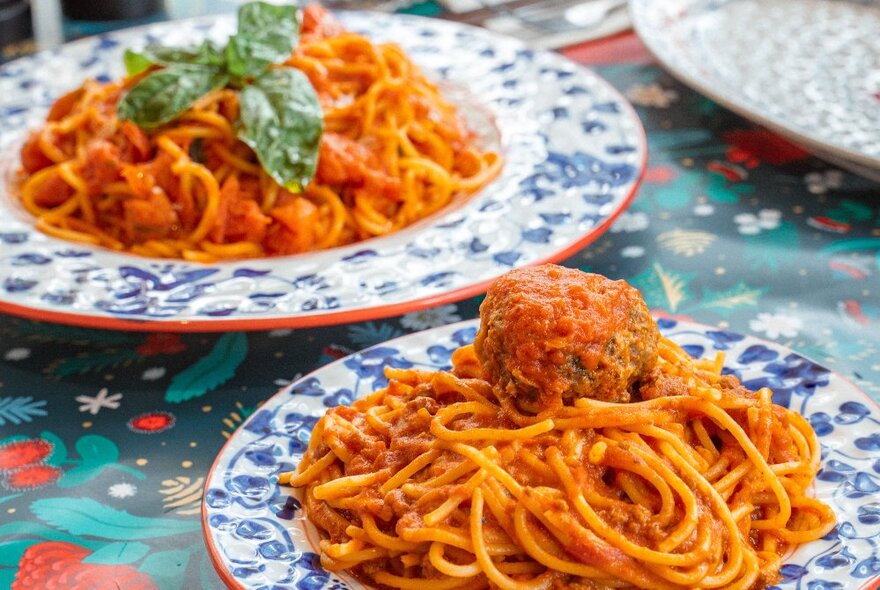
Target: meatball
549, 335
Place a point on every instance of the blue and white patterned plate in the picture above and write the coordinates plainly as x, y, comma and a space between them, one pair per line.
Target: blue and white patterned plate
258, 538
574, 151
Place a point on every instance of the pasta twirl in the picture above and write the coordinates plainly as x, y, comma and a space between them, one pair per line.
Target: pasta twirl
393, 151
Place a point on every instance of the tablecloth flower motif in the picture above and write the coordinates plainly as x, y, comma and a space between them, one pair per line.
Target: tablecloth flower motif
371, 333
703, 209
122, 490
431, 317
102, 400
776, 325
30, 477
631, 221
153, 373
59, 565
17, 354
652, 95
820, 183
756, 145
632, 252
18, 453
750, 224
152, 422
161, 343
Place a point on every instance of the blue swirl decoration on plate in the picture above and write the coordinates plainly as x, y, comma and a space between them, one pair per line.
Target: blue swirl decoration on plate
568, 172
260, 538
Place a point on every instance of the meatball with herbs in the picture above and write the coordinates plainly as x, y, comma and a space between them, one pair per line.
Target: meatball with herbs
549, 335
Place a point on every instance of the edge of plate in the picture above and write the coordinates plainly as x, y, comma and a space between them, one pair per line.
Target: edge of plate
233, 584
815, 146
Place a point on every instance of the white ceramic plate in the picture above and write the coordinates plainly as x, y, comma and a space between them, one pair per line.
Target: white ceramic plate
808, 69
258, 537
574, 151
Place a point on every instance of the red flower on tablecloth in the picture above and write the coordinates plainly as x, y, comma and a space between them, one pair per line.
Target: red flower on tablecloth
161, 344
31, 477
56, 565
152, 422
729, 171
750, 147
660, 174
19, 453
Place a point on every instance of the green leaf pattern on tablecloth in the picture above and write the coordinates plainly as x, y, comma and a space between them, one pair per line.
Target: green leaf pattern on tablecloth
96, 453
18, 410
211, 371
84, 516
118, 553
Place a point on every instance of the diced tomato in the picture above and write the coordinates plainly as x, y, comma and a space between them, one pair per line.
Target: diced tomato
318, 23
101, 165
249, 188
138, 143
345, 163
62, 107
341, 160
228, 192
32, 157
246, 223
384, 185
295, 230
150, 217
157, 172
239, 217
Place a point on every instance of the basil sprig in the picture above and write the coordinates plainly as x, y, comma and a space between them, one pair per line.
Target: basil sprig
280, 116
163, 95
207, 54
267, 34
281, 121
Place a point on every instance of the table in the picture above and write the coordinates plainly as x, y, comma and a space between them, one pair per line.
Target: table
102, 458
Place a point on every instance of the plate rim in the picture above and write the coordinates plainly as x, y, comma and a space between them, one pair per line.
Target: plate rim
92, 318
233, 584
816, 147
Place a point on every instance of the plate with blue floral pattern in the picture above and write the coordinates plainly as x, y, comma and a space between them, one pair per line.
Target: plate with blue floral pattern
574, 153
258, 537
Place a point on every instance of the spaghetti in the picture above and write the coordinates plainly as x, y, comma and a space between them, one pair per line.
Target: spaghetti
393, 152
434, 483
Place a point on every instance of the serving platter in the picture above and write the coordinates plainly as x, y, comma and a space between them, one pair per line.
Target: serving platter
807, 69
258, 537
574, 153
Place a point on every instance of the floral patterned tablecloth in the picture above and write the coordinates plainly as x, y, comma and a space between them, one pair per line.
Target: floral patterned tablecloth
106, 437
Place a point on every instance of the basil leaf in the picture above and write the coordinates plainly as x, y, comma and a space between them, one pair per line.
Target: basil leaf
267, 34
208, 53
135, 62
281, 121
165, 94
